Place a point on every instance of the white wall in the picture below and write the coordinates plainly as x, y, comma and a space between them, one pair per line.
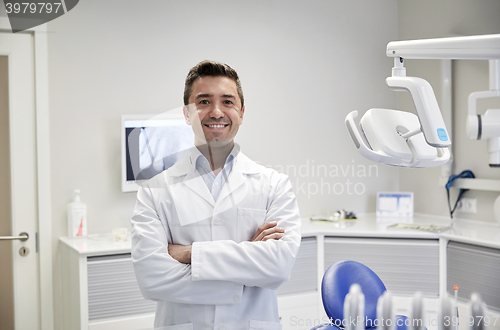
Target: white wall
303, 65
445, 18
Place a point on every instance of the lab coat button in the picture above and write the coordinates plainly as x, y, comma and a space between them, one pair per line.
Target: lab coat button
196, 277
217, 221
237, 298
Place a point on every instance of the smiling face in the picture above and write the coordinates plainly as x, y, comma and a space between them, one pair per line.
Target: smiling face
214, 110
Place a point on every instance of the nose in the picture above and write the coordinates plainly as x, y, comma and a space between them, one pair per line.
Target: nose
215, 112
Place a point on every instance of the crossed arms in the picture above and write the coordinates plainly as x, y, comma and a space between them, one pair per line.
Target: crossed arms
269, 230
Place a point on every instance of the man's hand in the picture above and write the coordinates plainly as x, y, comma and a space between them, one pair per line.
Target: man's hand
268, 231
181, 253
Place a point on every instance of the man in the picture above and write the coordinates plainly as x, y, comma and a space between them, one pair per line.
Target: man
215, 235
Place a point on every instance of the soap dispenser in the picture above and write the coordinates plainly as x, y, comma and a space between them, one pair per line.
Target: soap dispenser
77, 217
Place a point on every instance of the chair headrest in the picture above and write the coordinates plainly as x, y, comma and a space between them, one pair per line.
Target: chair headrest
338, 279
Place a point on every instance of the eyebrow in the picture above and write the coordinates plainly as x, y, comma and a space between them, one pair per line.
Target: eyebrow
202, 96
227, 96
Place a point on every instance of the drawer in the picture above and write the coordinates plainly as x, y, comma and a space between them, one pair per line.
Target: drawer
113, 290
299, 312
475, 269
304, 277
405, 266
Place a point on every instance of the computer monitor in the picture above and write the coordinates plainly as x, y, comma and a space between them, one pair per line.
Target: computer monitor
151, 144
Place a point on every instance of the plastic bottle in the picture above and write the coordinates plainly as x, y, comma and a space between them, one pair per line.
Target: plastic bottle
77, 217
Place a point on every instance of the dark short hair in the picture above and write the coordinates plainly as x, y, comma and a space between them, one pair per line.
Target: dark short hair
214, 69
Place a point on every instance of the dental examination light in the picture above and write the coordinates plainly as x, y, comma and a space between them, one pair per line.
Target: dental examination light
401, 138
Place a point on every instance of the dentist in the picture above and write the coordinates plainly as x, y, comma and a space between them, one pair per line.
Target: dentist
216, 234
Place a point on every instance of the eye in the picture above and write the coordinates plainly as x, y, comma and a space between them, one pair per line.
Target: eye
203, 102
228, 102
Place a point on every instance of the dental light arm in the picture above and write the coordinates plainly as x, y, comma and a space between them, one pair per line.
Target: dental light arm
431, 120
487, 126
393, 137
484, 47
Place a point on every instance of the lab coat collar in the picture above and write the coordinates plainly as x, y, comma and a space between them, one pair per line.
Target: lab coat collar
187, 166
242, 167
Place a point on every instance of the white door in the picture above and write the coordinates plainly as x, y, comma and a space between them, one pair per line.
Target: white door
18, 155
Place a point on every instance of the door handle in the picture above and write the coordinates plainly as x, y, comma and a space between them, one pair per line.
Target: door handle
22, 237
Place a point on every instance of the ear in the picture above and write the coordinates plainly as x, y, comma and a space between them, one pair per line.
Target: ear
241, 115
185, 110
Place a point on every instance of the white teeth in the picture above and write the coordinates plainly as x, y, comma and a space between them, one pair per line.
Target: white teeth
216, 125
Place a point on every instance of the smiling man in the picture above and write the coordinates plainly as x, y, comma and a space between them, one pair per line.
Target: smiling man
214, 108
215, 235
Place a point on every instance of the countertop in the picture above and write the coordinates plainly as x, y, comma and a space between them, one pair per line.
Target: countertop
368, 225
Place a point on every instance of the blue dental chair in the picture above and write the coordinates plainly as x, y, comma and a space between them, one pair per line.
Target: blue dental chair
335, 286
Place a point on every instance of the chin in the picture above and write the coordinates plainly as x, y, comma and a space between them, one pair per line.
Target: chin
219, 143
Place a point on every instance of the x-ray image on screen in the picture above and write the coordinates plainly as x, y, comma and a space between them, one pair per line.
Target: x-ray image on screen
152, 146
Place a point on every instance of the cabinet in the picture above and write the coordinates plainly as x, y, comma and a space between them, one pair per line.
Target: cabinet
112, 288
305, 271
298, 298
404, 265
299, 311
99, 287
100, 290
477, 269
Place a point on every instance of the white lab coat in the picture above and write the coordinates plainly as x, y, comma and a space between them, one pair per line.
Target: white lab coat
231, 282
